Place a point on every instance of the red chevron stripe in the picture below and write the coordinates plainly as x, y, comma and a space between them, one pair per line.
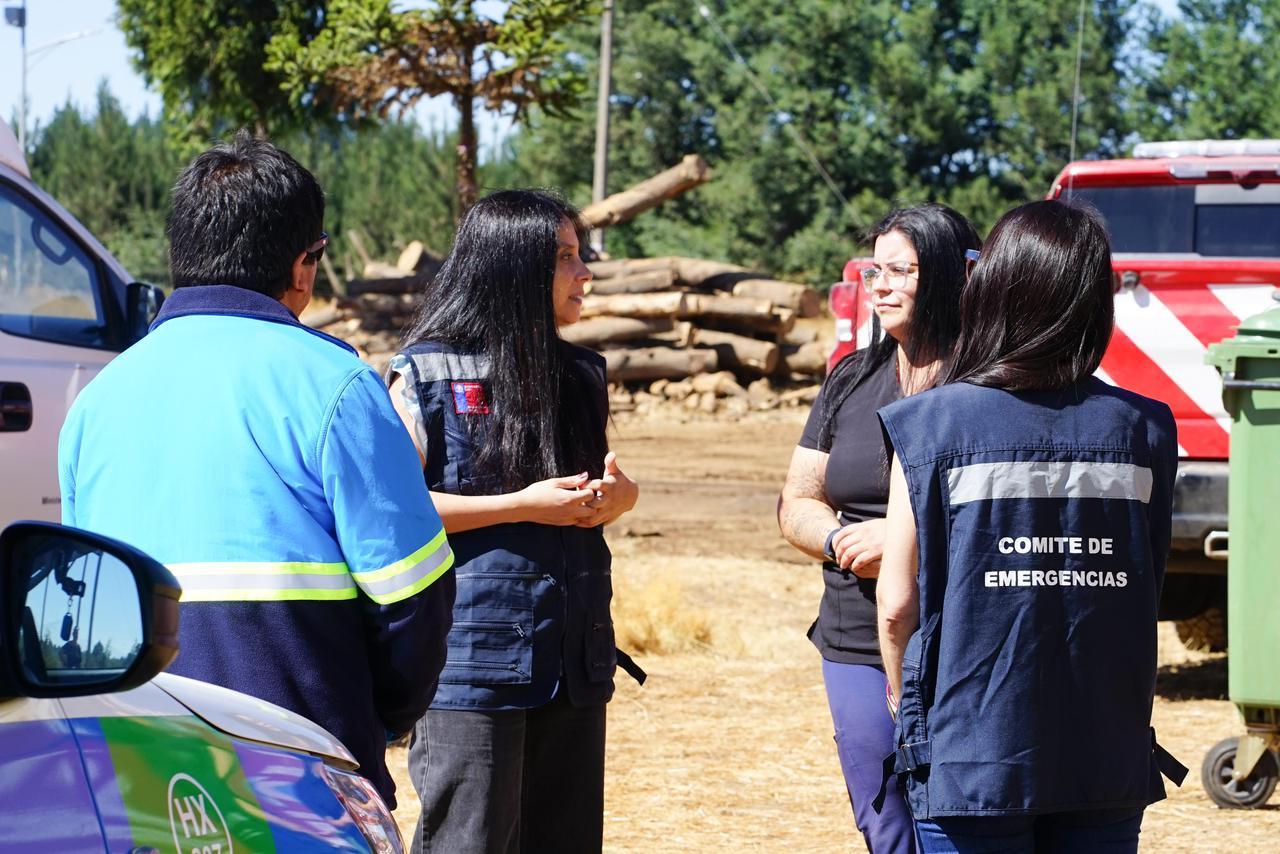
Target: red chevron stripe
1131, 368
1198, 309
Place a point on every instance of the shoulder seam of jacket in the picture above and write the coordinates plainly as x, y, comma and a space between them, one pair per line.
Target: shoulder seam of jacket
325, 423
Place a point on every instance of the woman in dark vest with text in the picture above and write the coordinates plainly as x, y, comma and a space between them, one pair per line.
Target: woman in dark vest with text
1028, 524
510, 423
833, 503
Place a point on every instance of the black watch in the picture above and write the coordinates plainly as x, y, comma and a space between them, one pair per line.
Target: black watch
827, 550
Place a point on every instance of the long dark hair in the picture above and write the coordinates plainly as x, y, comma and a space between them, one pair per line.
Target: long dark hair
492, 296
1040, 305
940, 236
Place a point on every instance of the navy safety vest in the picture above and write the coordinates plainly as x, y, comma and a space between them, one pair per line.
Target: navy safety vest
532, 611
1043, 526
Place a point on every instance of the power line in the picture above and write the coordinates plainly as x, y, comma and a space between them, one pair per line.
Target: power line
787, 125
1075, 99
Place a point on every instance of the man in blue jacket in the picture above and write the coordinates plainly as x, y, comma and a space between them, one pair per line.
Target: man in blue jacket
262, 461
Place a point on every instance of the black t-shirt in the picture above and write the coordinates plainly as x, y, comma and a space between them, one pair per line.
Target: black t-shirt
857, 481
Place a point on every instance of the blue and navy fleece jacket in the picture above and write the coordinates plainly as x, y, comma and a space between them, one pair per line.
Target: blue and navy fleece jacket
263, 463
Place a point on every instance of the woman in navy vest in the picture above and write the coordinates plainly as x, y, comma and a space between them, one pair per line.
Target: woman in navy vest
1028, 525
510, 423
833, 501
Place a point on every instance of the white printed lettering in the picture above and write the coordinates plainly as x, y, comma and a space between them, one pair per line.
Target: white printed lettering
1005, 545
187, 816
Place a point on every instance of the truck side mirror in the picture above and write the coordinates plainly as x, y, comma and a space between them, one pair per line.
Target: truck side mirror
83, 614
144, 303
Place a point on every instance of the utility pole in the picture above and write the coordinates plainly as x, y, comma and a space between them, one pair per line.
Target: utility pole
16, 16
600, 175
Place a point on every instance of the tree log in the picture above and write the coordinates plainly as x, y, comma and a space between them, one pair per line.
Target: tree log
808, 359
639, 283
321, 318
635, 305
733, 308
657, 363
621, 207
697, 271
739, 351
603, 330
801, 335
629, 266
804, 301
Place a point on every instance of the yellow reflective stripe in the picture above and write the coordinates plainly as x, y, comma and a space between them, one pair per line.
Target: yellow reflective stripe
372, 575
410, 575
263, 582
264, 568
268, 595
418, 586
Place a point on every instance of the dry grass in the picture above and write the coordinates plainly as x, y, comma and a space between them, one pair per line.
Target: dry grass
655, 618
728, 746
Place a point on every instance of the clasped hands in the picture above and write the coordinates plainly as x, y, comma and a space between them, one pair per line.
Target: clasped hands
858, 547
578, 500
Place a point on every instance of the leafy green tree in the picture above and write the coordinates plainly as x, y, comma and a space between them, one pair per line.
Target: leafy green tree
206, 59
392, 181
114, 176
1211, 72
371, 60
960, 101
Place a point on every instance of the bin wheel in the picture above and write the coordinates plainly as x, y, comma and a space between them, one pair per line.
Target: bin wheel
1253, 791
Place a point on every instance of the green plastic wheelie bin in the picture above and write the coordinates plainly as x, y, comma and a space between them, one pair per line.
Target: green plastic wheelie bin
1242, 771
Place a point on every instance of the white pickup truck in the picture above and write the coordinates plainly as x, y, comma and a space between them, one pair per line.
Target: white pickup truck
66, 308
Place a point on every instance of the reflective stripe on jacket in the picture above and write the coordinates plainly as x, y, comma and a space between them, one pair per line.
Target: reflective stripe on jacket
1043, 527
264, 464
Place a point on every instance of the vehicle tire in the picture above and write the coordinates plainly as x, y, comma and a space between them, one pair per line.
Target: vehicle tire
1205, 632
1249, 793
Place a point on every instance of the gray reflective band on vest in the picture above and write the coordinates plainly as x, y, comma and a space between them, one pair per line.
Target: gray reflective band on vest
1075, 479
432, 367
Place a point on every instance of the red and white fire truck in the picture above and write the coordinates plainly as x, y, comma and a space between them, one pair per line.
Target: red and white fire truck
1195, 230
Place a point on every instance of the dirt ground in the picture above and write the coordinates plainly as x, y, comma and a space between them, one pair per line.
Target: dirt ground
728, 746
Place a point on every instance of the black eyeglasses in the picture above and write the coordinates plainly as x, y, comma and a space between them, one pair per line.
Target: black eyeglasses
316, 250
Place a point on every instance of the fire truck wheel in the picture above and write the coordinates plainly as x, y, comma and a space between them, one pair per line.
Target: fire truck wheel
1205, 632
1253, 791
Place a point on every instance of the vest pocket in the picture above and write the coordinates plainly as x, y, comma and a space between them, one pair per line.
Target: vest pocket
490, 651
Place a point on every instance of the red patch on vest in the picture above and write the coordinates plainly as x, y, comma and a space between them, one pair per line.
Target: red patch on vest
469, 399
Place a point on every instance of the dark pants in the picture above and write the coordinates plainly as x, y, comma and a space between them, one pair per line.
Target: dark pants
864, 737
1088, 832
518, 782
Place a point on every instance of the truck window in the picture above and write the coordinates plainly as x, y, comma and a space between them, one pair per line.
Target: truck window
49, 287
1241, 231
1145, 219
1212, 220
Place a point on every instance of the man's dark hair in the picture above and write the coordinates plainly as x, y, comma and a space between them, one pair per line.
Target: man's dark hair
242, 211
1038, 311
939, 236
493, 296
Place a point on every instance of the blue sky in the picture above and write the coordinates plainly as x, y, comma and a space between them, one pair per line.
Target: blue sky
73, 70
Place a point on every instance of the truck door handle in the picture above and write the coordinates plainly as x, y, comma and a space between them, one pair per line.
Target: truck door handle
15, 408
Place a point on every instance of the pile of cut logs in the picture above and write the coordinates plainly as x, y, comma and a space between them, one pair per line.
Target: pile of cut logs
678, 330
651, 318
674, 318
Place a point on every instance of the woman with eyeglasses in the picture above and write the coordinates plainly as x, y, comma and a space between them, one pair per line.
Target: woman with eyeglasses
1028, 525
833, 501
510, 421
